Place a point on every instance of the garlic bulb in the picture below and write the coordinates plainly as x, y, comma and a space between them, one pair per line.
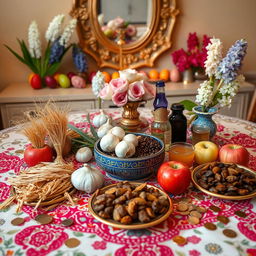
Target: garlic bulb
131, 138
117, 131
124, 149
87, 179
100, 119
83, 155
103, 130
108, 142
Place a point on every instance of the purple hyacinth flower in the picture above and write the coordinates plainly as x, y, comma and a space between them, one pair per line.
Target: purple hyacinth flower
79, 59
229, 66
56, 52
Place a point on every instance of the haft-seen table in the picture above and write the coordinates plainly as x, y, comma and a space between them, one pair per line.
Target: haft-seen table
95, 238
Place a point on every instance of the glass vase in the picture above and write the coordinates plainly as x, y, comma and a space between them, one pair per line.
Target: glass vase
205, 119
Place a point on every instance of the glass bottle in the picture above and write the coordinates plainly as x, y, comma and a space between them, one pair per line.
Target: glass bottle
160, 100
178, 123
161, 127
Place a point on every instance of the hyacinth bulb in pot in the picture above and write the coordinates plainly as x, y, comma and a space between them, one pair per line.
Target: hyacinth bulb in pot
44, 65
129, 91
223, 83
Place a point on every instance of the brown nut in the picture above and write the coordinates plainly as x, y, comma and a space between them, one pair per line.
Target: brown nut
150, 212
126, 220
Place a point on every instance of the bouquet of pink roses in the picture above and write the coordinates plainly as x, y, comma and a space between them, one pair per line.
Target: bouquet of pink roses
130, 86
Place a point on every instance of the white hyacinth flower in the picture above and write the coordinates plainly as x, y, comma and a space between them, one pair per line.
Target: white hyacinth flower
214, 56
34, 40
204, 93
98, 82
54, 28
69, 29
229, 91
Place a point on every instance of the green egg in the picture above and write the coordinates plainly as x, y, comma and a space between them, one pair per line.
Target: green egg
64, 81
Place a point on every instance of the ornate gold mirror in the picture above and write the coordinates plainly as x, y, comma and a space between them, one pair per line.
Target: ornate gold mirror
149, 24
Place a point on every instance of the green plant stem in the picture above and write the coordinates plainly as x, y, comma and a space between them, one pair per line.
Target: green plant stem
216, 91
99, 101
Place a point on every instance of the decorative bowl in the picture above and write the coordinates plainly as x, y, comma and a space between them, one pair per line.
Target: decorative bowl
196, 183
130, 168
136, 225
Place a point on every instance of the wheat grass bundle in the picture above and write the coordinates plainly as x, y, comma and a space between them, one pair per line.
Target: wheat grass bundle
46, 184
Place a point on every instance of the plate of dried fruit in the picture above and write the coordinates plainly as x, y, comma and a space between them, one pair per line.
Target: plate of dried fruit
130, 205
225, 180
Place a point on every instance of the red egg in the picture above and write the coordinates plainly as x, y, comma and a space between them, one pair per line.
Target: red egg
70, 75
50, 82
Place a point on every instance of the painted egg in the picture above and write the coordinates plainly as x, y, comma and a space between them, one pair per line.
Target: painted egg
175, 75
78, 82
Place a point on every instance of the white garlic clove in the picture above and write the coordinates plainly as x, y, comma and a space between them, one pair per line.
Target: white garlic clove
131, 138
100, 119
87, 179
83, 155
108, 142
103, 130
118, 131
124, 149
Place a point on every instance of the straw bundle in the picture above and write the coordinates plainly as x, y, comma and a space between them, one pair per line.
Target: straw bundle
46, 184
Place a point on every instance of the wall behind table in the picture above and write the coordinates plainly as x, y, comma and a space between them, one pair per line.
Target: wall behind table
229, 20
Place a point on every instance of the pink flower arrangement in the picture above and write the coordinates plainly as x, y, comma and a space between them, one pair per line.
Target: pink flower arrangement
130, 86
194, 57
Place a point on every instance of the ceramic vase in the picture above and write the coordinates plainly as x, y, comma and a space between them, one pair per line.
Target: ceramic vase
205, 119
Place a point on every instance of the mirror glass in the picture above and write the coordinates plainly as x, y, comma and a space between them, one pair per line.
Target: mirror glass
129, 19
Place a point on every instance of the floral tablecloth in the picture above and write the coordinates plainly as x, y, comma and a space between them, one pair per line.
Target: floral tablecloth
33, 239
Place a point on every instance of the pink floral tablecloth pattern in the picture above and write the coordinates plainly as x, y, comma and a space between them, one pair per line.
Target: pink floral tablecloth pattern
33, 239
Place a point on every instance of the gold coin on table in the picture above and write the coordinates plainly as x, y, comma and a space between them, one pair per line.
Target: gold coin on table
201, 209
196, 214
17, 221
182, 207
215, 208
210, 226
240, 214
67, 222
180, 240
72, 242
44, 219
229, 233
193, 220
223, 219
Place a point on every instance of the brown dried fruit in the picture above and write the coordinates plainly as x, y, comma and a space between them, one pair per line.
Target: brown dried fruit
143, 216
126, 220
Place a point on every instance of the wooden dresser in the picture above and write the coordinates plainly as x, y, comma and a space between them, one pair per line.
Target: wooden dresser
18, 98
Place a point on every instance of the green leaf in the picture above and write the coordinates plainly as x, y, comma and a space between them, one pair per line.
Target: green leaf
188, 104
228, 242
11, 232
245, 242
59, 253
78, 254
16, 55
52, 69
18, 253
85, 136
78, 234
92, 129
91, 236
8, 242
197, 231
180, 253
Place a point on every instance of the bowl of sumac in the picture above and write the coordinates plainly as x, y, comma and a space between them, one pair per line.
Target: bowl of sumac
142, 165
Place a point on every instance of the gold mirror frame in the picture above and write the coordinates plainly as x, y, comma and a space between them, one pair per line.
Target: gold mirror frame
143, 52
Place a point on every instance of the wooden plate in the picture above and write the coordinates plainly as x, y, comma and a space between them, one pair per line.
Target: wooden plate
195, 181
135, 225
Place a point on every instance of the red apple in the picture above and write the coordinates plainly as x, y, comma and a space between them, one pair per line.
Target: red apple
70, 75
36, 81
233, 153
174, 177
92, 74
34, 156
50, 82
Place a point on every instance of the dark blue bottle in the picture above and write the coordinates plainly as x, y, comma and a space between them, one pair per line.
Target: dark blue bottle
160, 99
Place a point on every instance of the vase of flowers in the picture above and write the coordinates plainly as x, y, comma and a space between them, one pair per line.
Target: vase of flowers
222, 85
45, 65
129, 91
191, 61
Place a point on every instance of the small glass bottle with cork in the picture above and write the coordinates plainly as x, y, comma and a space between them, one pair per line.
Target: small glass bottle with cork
160, 126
